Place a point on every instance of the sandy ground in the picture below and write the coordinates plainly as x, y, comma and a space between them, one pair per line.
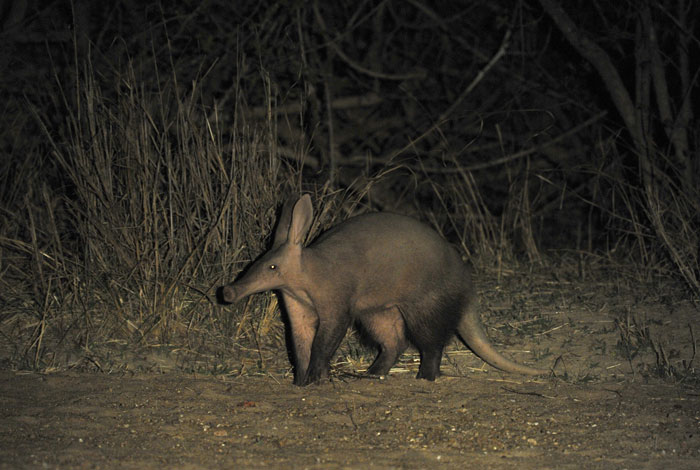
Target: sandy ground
605, 406
83, 420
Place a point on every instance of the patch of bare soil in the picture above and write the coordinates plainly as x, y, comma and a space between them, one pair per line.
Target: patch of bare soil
83, 420
605, 406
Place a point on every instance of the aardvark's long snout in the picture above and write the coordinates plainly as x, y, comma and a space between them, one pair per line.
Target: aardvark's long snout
228, 293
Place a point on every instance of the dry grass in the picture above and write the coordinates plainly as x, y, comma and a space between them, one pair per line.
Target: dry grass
160, 206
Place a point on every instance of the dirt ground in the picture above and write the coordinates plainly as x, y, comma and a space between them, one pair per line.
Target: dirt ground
95, 421
604, 407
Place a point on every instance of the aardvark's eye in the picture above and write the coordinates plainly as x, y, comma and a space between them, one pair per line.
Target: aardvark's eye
272, 267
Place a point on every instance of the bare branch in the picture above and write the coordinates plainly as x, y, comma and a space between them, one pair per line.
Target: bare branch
601, 61
345, 102
479, 76
419, 74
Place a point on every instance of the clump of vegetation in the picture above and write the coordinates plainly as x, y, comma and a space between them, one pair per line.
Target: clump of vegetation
636, 339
